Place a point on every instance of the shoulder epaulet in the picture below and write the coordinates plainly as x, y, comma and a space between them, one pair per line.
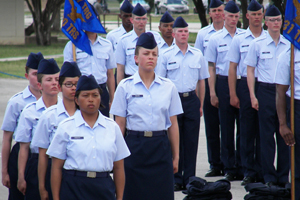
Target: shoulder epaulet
67, 119
108, 119
194, 49
105, 40
126, 35
15, 95
113, 31
169, 49
204, 28
260, 38
53, 107
242, 32
29, 105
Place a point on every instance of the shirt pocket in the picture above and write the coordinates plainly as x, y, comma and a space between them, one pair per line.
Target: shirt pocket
101, 61
130, 56
195, 67
172, 66
222, 50
81, 57
266, 60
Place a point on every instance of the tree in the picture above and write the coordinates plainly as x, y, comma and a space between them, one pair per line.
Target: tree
201, 12
42, 20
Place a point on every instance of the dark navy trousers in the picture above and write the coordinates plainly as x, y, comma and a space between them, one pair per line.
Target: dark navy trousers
212, 130
14, 193
189, 124
104, 100
268, 126
297, 145
229, 116
249, 133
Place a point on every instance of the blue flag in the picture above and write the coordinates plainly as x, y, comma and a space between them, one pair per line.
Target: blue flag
291, 28
79, 16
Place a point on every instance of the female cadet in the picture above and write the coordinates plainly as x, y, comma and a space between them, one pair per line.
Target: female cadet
85, 148
148, 105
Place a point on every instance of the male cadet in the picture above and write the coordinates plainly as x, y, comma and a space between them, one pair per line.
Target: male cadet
13, 110
126, 45
239, 93
100, 64
126, 26
185, 67
166, 29
282, 80
219, 92
47, 76
263, 56
211, 113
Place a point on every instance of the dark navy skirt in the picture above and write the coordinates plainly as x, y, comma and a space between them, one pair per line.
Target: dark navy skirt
149, 168
79, 188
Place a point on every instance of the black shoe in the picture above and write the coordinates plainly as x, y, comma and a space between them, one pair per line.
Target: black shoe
282, 184
213, 172
269, 184
229, 177
247, 179
177, 187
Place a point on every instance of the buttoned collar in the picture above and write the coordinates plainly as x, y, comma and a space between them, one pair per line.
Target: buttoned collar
80, 121
40, 104
225, 32
163, 43
249, 33
137, 79
27, 93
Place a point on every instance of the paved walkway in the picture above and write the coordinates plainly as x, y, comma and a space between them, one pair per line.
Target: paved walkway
11, 86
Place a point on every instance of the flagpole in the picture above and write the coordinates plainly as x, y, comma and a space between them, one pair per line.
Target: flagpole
292, 124
74, 52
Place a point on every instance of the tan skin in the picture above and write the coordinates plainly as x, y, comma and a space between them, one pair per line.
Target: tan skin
284, 130
231, 20
139, 27
69, 104
146, 59
181, 36
255, 20
89, 102
217, 17
274, 31
49, 88
166, 30
31, 76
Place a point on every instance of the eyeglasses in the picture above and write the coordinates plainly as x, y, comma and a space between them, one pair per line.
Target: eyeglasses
141, 19
273, 20
69, 85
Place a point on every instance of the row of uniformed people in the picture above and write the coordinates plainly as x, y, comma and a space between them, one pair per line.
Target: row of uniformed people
241, 68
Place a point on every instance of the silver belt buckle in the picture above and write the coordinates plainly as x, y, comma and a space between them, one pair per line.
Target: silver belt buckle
148, 134
91, 174
238, 77
185, 94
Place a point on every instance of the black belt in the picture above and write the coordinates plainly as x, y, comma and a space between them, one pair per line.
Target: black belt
245, 78
87, 174
272, 85
186, 94
103, 85
147, 133
222, 77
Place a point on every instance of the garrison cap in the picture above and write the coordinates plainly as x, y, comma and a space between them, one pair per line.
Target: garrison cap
272, 11
166, 18
232, 7
69, 69
215, 3
254, 6
139, 10
48, 66
34, 60
147, 41
180, 23
87, 83
126, 7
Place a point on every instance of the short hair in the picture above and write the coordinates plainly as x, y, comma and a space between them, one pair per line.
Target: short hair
27, 69
40, 77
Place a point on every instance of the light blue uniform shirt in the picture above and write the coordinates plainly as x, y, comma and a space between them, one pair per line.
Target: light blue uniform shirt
283, 71
103, 59
162, 47
114, 36
217, 49
239, 48
183, 70
146, 109
14, 107
263, 54
88, 149
47, 125
126, 49
203, 37
28, 121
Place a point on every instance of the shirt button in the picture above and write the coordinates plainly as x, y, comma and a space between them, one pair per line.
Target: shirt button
149, 104
148, 95
93, 137
94, 157
93, 147
150, 122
